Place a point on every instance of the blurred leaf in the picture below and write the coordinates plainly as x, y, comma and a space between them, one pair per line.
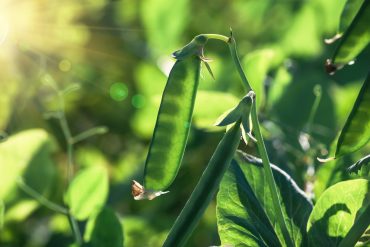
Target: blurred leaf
356, 131
20, 211
245, 213
2, 210
336, 211
164, 22
104, 229
278, 85
257, 64
209, 105
173, 125
87, 192
302, 38
139, 232
349, 12
356, 37
26, 153
9, 91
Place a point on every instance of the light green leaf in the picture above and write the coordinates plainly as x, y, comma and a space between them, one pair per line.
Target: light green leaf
104, 229
164, 22
356, 131
87, 192
26, 154
336, 211
209, 106
173, 125
245, 214
355, 39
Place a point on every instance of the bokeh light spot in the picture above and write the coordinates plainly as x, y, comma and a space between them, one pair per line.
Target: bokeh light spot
65, 65
138, 101
118, 91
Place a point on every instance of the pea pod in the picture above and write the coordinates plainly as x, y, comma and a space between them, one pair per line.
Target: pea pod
205, 189
356, 131
173, 124
356, 37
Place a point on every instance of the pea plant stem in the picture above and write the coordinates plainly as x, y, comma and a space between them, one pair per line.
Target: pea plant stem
261, 147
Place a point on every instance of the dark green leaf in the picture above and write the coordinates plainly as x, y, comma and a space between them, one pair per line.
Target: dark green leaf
88, 191
349, 12
356, 37
104, 229
336, 210
244, 206
356, 131
2, 210
359, 164
173, 124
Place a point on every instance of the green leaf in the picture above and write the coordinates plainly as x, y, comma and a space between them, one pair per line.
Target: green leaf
356, 131
2, 211
349, 12
355, 39
26, 154
104, 229
173, 125
209, 106
87, 192
164, 22
336, 211
245, 215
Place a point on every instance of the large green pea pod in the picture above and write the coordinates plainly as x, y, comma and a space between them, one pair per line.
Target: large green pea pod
173, 123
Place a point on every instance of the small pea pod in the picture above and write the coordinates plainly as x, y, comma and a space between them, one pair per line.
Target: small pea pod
173, 124
354, 40
356, 131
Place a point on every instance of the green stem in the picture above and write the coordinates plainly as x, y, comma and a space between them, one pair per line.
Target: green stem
262, 148
41, 199
216, 36
205, 189
358, 228
317, 92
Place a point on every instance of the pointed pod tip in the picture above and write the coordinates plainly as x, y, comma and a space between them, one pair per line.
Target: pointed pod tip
321, 160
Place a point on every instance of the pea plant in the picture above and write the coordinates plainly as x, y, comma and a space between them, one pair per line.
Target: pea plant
258, 203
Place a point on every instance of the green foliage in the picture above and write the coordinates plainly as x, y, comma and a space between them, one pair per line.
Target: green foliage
356, 37
104, 229
88, 192
356, 131
245, 213
336, 211
173, 124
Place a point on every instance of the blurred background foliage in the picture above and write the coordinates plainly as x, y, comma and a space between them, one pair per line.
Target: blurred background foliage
108, 61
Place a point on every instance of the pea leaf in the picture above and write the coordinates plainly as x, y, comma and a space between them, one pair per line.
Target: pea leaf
87, 192
336, 211
356, 37
349, 12
356, 131
173, 125
245, 215
104, 229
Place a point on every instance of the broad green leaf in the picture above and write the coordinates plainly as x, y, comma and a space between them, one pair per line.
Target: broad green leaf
164, 22
356, 37
87, 192
336, 210
356, 131
26, 154
173, 125
104, 229
349, 12
209, 106
245, 214
278, 85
